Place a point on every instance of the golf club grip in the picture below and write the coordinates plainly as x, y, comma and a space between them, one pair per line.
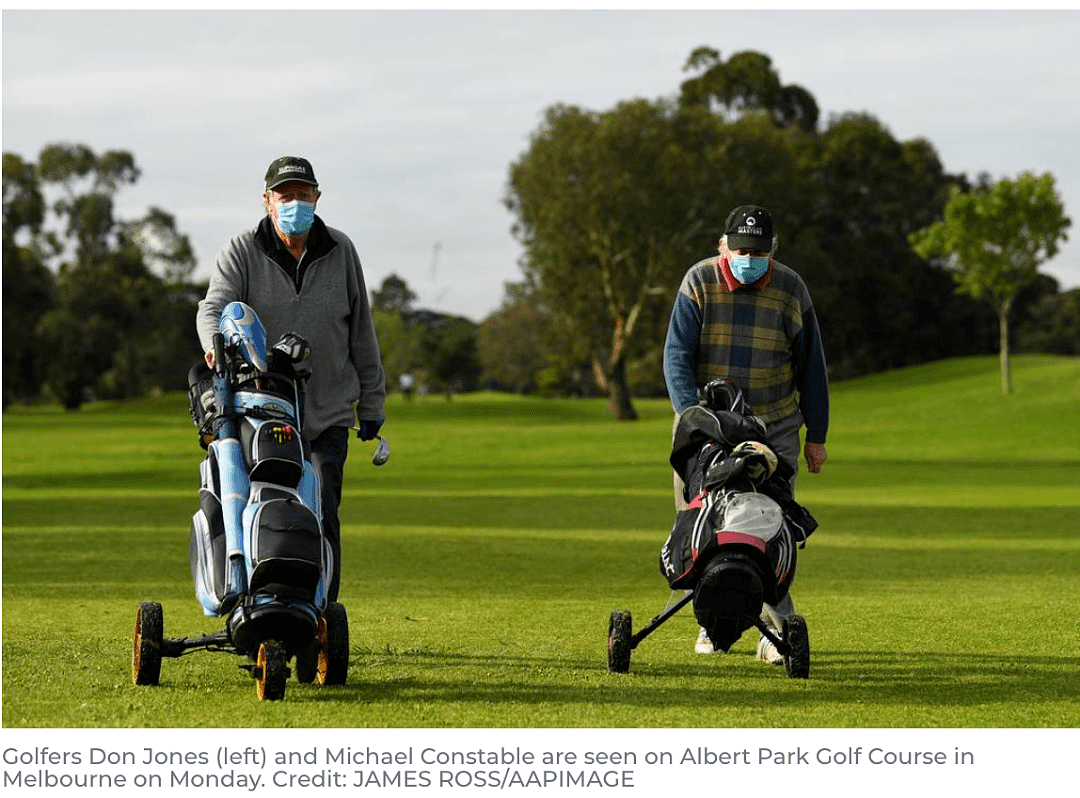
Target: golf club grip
219, 354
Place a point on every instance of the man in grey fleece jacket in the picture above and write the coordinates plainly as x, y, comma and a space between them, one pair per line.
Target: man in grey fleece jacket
304, 277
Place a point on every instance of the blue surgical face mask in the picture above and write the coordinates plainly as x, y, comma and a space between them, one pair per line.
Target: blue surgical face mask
295, 218
748, 268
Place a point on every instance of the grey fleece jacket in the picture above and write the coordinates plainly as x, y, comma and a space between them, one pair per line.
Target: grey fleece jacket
330, 309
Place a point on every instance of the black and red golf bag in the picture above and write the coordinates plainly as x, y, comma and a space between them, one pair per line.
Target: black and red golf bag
736, 544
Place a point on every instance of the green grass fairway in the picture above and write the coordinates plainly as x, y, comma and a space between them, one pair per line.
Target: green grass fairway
482, 562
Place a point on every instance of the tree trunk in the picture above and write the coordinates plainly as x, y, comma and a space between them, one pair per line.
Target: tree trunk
132, 380
610, 374
73, 394
612, 379
1003, 346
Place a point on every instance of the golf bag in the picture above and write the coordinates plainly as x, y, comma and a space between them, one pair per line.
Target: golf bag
735, 546
258, 556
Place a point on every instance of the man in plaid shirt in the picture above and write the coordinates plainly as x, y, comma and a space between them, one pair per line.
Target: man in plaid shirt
745, 316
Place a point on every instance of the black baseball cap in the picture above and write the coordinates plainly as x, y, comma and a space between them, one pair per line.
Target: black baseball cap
289, 168
749, 227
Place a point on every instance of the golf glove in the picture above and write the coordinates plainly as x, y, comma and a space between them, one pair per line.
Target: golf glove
761, 461
369, 429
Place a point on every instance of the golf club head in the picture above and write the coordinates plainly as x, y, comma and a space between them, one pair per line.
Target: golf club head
382, 453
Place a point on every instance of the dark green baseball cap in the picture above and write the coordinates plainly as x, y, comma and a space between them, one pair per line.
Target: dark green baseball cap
289, 168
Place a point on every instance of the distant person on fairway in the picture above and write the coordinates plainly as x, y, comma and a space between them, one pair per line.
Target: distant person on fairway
745, 316
304, 277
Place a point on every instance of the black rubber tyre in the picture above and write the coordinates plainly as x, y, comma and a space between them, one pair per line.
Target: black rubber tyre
333, 643
620, 630
271, 671
797, 661
307, 663
149, 635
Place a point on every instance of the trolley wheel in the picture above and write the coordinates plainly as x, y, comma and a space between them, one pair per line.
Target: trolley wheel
797, 660
149, 635
618, 641
333, 644
271, 671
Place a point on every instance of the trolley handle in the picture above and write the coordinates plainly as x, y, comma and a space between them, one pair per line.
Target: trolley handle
219, 354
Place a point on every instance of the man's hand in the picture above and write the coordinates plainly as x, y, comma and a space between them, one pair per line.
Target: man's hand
815, 455
366, 430
210, 359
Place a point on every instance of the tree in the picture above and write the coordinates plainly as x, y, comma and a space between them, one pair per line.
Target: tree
114, 325
1053, 325
400, 337
29, 291
449, 353
436, 348
393, 296
512, 341
609, 208
576, 193
29, 286
746, 81
89, 184
85, 333
399, 344
855, 194
612, 207
874, 296
165, 250
996, 239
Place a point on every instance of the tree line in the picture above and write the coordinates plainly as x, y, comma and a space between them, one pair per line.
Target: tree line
611, 207
94, 305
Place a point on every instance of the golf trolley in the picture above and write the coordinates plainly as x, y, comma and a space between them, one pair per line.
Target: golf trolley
733, 550
258, 555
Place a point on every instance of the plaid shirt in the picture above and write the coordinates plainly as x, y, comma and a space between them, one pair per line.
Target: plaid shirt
764, 337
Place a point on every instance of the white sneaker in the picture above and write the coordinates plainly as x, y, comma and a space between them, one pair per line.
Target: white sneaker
766, 652
704, 645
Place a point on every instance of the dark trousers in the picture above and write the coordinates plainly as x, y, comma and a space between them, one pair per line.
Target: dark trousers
328, 453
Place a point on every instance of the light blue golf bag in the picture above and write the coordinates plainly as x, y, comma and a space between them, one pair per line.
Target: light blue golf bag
258, 556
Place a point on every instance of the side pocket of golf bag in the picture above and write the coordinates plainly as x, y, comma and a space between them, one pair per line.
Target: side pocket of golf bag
207, 546
310, 491
201, 404
284, 543
273, 450
691, 533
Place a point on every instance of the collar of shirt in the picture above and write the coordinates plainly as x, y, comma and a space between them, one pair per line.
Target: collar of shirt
319, 242
734, 285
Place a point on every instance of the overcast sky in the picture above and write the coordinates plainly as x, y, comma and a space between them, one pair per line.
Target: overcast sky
412, 118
